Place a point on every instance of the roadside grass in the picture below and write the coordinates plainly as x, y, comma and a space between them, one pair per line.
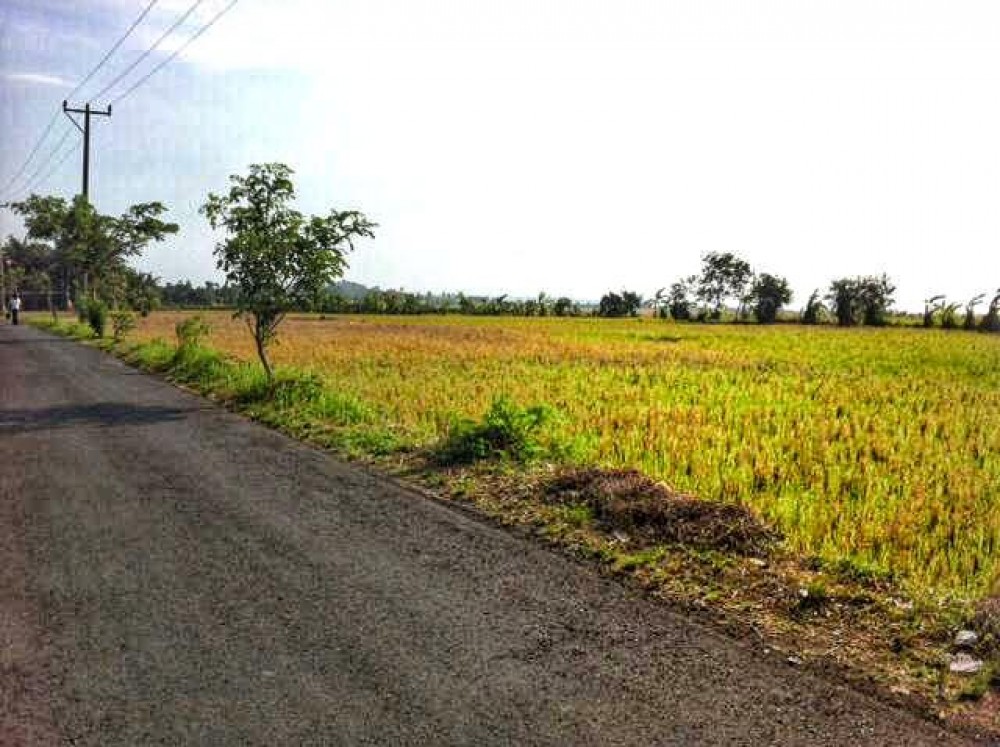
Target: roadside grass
504, 432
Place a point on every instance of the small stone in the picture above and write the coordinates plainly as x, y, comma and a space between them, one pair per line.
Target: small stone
620, 537
965, 664
794, 660
966, 638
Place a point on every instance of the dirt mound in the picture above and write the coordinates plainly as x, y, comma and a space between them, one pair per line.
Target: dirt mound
651, 512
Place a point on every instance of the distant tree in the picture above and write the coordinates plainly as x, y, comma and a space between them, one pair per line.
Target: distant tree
768, 295
613, 304
814, 310
632, 301
931, 307
991, 322
544, 304
658, 304
142, 292
949, 315
277, 258
679, 299
969, 323
843, 298
876, 294
866, 299
723, 276
563, 306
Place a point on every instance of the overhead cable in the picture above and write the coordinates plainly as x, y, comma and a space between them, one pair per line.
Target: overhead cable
176, 52
144, 55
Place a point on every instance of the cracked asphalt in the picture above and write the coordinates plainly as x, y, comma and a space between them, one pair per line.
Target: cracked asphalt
171, 574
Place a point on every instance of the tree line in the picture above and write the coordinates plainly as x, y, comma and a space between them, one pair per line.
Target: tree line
729, 288
72, 254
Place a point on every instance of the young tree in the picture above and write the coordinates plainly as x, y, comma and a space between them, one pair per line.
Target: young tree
768, 295
277, 258
723, 276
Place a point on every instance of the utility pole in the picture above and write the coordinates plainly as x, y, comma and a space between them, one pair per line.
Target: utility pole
86, 111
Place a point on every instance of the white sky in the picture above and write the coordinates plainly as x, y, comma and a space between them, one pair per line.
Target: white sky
570, 146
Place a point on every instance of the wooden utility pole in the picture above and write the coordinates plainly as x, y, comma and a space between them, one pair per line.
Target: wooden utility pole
86, 111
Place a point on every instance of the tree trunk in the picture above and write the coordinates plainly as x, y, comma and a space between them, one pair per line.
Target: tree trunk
258, 338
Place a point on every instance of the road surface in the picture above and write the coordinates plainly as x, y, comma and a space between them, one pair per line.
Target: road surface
171, 574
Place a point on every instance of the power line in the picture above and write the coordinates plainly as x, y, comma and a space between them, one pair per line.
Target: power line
149, 51
10, 183
176, 52
42, 165
113, 49
55, 117
59, 162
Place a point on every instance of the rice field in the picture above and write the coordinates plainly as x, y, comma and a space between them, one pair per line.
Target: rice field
876, 448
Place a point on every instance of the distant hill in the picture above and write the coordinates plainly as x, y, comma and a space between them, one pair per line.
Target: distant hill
347, 289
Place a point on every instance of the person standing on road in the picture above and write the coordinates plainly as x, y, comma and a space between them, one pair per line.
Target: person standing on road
15, 308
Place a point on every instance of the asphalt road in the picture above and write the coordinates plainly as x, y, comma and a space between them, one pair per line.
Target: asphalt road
171, 574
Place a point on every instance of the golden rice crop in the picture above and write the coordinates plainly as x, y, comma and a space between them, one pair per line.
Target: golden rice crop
880, 448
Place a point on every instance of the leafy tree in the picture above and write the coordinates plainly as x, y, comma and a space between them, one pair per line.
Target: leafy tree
875, 293
866, 299
563, 306
613, 304
89, 246
768, 294
276, 257
723, 276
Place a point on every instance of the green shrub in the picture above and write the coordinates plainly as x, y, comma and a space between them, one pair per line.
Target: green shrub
122, 322
191, 331
297, 390
97, 316
193, 363
506, 430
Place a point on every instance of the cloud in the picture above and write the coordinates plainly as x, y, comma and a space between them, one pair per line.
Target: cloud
38, 78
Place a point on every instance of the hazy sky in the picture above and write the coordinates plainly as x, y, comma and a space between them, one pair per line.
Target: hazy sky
570, 146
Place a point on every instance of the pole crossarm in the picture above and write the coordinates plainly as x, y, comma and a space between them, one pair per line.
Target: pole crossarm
87, 113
